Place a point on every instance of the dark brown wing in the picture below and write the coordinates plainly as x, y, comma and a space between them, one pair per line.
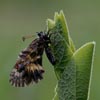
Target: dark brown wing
28, 68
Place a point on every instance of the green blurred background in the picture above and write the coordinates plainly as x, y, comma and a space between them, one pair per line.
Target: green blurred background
22, 17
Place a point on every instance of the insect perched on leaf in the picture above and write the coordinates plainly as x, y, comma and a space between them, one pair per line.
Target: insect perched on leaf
28, 68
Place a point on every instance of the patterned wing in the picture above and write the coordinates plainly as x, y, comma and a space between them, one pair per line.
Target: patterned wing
28, 68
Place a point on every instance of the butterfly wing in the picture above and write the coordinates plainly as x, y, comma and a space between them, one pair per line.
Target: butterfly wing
28, 68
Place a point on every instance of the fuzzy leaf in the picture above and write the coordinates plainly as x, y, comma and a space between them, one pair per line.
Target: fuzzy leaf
75, 81
62, 45
67, 83
73, 68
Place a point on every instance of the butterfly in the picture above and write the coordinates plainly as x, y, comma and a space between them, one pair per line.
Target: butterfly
28, 67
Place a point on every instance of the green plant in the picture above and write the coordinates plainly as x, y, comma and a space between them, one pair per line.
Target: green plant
74, 67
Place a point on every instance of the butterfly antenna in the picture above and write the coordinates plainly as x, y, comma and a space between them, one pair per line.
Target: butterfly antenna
27, 37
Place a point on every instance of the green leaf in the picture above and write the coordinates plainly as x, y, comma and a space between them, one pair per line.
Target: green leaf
75, 81
84, 61
67, 83
74, 67
62, 45
61, 26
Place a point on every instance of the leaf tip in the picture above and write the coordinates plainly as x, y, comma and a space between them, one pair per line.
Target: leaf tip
94, 43
50, 23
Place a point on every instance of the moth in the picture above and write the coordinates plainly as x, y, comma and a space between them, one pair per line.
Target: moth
28, 67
